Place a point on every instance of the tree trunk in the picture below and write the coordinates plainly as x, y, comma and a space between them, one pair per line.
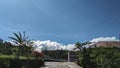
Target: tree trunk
18, 53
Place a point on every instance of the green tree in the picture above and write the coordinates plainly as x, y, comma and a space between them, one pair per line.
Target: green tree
26, 49
1, 46
7, 48
100, 57
20, 39
85, 43
78, 45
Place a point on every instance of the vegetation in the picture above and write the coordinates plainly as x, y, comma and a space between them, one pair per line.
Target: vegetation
22, 56
18, 55
79, 45
100, 58
21, 41
13, 57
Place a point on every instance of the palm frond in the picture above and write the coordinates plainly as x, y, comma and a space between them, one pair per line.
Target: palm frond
13, 38
24, 38
24, 35
18, 37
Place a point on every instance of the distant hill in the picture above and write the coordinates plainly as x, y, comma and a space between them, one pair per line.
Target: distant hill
106, 44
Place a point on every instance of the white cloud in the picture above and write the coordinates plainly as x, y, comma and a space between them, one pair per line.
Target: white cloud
104, 39
95, 40
51, 45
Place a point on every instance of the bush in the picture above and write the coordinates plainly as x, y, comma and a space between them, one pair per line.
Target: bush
26, 63
100, 58
4, 63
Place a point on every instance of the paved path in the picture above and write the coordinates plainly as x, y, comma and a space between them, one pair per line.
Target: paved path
60, 65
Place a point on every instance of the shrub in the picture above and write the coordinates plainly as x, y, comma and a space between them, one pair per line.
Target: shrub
26, 63
100, 58
4, 63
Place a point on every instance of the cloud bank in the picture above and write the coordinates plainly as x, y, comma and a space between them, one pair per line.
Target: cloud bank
104, 39
51, 45
95, 40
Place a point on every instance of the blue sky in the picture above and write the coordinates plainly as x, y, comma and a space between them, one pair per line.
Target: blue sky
64, 21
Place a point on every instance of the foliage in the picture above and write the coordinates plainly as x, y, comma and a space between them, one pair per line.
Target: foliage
26, 63
22, 41
11, 55
79, 45
21, 63
5, 48
100, 58
4, 63
5, 60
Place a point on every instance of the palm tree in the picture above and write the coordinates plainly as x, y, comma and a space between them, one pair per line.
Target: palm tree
1, 45
20, 39
78, 45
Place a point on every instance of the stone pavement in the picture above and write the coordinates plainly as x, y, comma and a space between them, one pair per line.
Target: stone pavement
60, 65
